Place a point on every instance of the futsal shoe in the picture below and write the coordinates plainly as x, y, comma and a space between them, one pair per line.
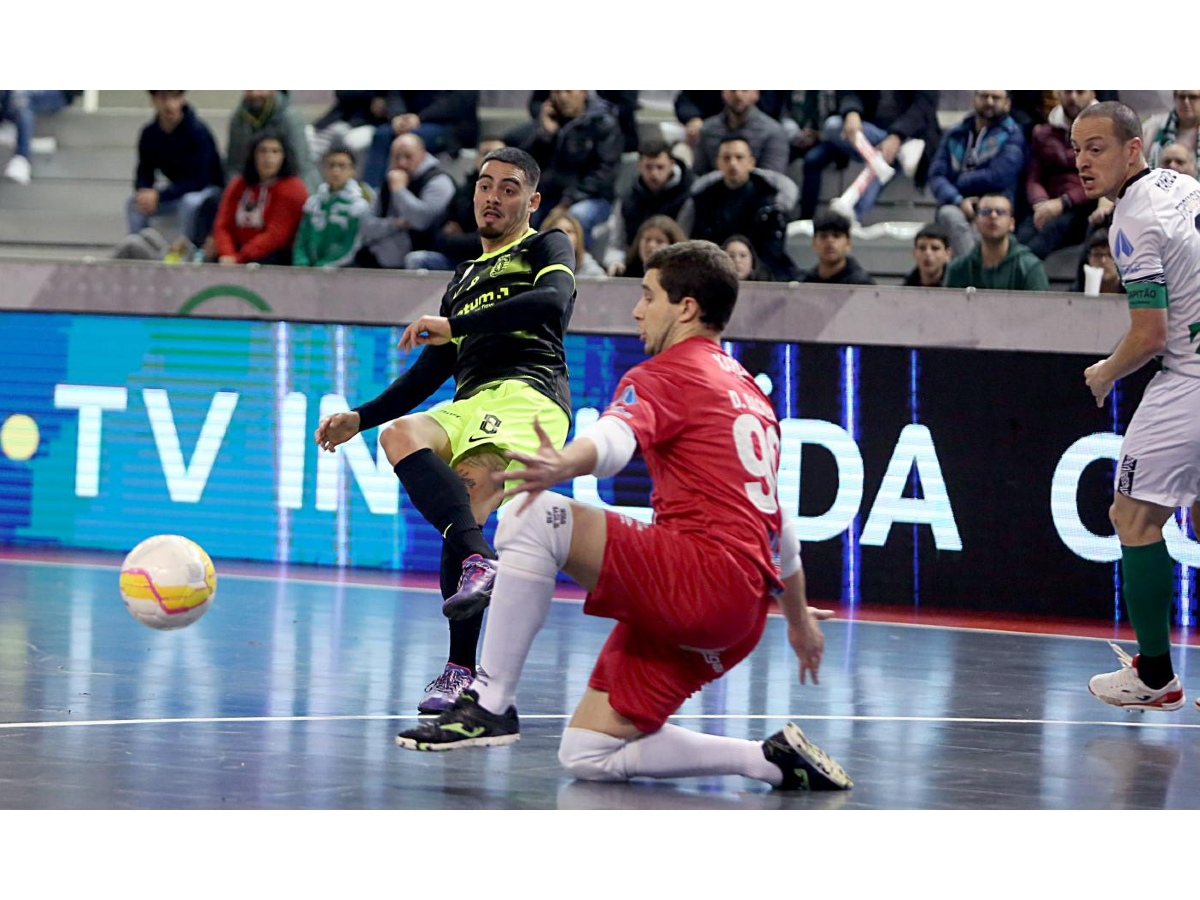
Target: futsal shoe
441, 693
474, 588
1124, 688
465, 724
805, 766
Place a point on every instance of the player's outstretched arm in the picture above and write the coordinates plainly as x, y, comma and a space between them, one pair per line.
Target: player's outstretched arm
804, 634
337, 429
427, 374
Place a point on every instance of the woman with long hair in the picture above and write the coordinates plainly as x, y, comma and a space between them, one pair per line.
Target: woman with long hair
656, 232
585, 264
261, 209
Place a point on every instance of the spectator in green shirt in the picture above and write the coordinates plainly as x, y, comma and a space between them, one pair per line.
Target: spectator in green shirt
330, 231
998, 262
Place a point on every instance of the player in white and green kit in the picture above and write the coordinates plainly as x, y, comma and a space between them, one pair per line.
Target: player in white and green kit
1156, 247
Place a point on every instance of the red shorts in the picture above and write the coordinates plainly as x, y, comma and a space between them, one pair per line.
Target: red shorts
687, 612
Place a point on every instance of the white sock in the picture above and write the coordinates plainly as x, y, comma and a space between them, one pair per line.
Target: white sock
520, 604
532, 545
670, 752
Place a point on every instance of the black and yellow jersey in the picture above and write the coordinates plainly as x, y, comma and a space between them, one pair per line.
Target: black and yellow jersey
508, 312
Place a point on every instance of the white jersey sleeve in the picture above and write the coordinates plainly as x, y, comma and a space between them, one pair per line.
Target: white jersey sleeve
1156, 247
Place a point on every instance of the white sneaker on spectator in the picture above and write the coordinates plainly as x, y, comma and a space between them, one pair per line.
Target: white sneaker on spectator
909, 156
18, 170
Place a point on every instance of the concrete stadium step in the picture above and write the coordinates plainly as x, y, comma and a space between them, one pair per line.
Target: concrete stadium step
61, 227
55, 252
95, 164
113, 128
76, 195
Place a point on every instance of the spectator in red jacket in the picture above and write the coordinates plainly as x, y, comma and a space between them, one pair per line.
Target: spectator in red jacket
1052, 185
261, 209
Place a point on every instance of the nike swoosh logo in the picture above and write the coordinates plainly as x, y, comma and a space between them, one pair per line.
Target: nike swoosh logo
486, 437
459, 729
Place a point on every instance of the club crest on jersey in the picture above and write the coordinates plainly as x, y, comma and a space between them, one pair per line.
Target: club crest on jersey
628, 396
500, 265
1124, 248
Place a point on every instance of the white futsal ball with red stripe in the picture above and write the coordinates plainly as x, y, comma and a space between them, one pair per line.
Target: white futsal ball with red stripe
168, 582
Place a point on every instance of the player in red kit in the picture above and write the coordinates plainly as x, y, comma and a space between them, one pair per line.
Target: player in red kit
690, 593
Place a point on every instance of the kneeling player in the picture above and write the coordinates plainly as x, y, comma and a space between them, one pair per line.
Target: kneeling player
690, 593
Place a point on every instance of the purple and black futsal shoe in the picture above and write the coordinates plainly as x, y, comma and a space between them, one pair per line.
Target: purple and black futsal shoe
474, 588
441, 693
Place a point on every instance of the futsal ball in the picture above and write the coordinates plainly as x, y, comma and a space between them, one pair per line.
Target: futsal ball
167, 582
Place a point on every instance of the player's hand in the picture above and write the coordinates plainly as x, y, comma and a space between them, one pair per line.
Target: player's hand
809, 645
1104, 207
821, 614
426, 331
1045, 211
1097, 381
889, 147
337, 429
543, 470
968, 207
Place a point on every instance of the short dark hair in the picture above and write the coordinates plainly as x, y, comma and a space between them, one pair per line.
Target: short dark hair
653, 147
518, 158
343, 150
1003, 196
286, 170
730, 138
1125, 122
700, 270
156, 93
933, 233
831, 221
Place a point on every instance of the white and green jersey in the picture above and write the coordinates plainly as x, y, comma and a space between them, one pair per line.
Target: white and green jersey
1156, 247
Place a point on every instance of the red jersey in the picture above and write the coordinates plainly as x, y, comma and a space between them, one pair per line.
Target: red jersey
255, 221
711, 443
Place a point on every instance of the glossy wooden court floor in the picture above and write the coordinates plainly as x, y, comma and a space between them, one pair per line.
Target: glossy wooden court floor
289, 692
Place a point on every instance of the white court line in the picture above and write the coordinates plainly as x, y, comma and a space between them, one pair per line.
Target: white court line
238, 720
575, 600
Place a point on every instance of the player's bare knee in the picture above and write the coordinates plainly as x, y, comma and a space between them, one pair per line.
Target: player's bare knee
592, 756
398, 441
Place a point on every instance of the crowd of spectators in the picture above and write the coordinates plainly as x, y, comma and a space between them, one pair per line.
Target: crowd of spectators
736, 168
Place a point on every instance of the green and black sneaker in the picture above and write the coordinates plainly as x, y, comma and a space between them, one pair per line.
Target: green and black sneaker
805, 766
465, 724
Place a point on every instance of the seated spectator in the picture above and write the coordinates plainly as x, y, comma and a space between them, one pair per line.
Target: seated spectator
624, 105
352, 120
268, 111
1180, 125
1178, 158
745, 260
261, 209
446, 121
656, 232
577, 142
983, 154
931, 252
585, 263
177, 148
741, 116
458, 238
1052, 185
742, 199
831, 243
901, 125
662, 187
410, 208
331, 229
999, 262
15, 107
1099, 255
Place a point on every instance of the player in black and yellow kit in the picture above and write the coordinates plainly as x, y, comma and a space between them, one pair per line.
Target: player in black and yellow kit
499, 332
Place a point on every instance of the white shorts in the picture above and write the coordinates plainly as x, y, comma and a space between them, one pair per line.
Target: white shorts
1160, 454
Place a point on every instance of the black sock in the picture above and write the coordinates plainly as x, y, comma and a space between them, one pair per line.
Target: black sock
464, 634
1155, 671
441, 497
